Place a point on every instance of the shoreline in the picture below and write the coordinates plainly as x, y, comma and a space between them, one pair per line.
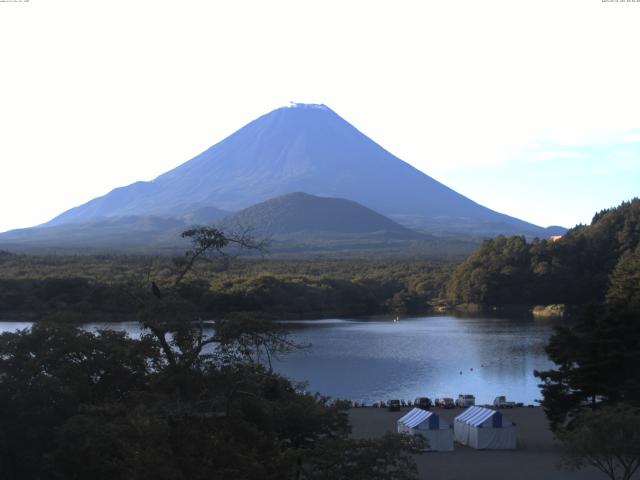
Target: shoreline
110, 317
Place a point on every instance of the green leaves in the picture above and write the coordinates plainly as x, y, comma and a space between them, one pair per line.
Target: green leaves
607, 439
365, 459
598, 360
624, 289
573, 270
48, 374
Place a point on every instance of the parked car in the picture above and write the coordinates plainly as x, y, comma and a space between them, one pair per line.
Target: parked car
423, 402
445, 402
593, 401
501, 402
465, 400
393, 405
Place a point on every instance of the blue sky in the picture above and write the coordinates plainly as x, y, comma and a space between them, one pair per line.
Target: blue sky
550, 180
531, 108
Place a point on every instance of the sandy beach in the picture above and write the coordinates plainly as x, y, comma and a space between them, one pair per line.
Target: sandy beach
536, 458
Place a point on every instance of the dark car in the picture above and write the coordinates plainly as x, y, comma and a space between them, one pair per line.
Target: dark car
423, 403
445, 402
393, 405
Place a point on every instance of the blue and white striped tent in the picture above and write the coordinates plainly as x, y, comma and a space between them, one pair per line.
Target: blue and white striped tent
438, 433
484, 428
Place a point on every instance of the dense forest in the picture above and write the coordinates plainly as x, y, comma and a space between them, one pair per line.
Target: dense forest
104, 286
577, 269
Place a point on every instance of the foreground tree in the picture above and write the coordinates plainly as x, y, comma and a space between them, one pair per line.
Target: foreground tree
179, 403
598, 358
598, 362
592, 397
52, 372
607, 439
365, 459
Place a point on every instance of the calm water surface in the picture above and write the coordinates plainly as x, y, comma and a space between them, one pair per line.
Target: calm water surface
428, 356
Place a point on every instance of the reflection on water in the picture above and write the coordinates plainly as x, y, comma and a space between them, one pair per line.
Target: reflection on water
428, 356
432, 356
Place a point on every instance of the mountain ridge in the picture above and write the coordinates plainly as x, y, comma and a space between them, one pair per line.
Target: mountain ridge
293, 222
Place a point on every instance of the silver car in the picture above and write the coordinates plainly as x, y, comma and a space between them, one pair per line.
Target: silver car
465, 401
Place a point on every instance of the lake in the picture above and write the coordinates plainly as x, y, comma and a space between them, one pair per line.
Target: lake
372, 360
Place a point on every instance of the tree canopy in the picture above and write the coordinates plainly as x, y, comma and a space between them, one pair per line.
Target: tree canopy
598, 357
607, 439
572, 270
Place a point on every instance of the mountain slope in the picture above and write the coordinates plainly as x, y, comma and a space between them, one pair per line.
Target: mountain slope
110, 233
304, 148
293, 222
303, 214
121, 232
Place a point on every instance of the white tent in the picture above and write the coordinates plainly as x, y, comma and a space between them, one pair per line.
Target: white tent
438, 433
483, 428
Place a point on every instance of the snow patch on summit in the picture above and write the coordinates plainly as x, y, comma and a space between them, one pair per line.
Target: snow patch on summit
318, 106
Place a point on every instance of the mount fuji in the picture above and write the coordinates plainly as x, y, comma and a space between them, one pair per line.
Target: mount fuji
302, 148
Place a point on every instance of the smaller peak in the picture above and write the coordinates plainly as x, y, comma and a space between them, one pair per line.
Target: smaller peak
297, 194
291, 196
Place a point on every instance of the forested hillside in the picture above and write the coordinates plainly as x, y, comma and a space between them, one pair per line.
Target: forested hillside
576, 269
104, 287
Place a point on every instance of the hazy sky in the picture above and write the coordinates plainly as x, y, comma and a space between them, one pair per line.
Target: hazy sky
530, 107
